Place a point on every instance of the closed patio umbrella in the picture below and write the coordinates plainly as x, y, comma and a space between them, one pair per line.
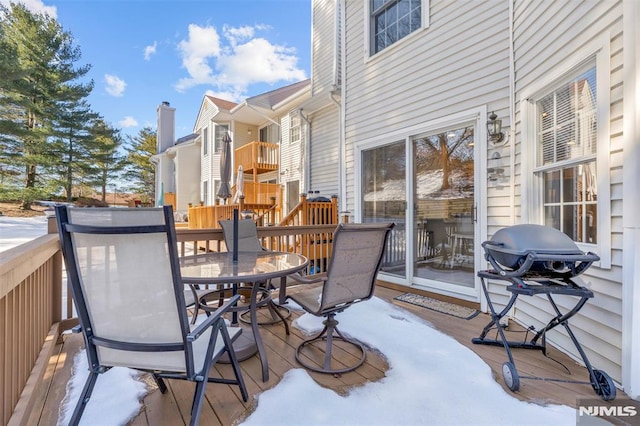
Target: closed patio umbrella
239, 185
160, 198
225, 168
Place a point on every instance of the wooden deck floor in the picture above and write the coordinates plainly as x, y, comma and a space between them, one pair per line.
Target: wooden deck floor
224, 405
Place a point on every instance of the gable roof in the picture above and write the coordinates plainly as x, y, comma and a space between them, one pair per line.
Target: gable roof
270, 99
221, 103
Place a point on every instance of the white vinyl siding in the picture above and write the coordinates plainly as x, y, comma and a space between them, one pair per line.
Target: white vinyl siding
207, 163
552, 41
323, 45
290, 154
325, 155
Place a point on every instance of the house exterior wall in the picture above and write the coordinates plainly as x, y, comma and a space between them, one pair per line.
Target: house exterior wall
323, 45
209, 163
545, 35
324, 152
430, 74
455, 65
290, 157
187, 187
322, 137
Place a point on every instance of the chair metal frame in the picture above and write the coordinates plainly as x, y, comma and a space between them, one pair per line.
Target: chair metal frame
321, 299
213, 326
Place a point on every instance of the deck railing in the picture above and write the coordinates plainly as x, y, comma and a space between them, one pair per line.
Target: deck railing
31, 313
312, 213
208, 217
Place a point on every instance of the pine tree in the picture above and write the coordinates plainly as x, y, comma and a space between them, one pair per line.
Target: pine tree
70, 160
41, 56
106, 157
140, 171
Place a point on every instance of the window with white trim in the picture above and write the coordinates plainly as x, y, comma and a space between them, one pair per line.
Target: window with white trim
392, 20
216, 187
566, 131
567, 155
295, 128
221, 129
205, 141
566, 163
205, 192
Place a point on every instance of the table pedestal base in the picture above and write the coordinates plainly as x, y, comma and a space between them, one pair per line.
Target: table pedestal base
244, 346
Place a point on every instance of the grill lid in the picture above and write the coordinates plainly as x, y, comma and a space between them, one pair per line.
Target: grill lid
535, 247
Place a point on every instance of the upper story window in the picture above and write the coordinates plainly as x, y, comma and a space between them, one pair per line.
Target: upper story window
392, 20
295, 133
221, 129
205, 141
566, 139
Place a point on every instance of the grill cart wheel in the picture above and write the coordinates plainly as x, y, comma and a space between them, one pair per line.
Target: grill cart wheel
510, 376
603, 385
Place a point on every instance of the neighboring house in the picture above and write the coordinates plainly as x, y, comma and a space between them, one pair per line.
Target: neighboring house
190, 166
419, 81
176, 158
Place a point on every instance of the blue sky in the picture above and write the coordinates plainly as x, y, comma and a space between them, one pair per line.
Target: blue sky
144, 52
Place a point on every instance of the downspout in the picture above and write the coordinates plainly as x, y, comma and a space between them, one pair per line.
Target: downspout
341, 152
512, 118
342, 201
307, 153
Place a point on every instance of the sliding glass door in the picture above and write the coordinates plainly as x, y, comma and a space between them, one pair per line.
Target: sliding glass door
444, 207
384, 200
426, 184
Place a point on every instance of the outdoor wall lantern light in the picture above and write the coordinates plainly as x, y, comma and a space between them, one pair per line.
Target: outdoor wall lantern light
494, 127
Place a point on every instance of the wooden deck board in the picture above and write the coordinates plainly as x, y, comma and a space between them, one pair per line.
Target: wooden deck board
224, 405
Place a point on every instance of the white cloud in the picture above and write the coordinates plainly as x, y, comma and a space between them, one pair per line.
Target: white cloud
128, 121
234, 60
36, 6
150, 50
115, 85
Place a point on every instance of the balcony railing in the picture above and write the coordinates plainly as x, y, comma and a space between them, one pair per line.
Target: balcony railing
257, 157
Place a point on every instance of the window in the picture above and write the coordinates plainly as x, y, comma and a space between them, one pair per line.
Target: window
205, 192
566, 140
392, 20
205, 141
294, 128
221, 129
216, 187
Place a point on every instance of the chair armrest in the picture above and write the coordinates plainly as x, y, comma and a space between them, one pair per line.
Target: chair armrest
215, 316
306, 280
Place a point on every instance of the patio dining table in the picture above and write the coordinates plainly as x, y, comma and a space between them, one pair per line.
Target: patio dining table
221, 269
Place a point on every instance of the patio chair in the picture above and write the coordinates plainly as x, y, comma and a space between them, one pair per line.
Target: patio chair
351, 278
248, 241
124, 272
